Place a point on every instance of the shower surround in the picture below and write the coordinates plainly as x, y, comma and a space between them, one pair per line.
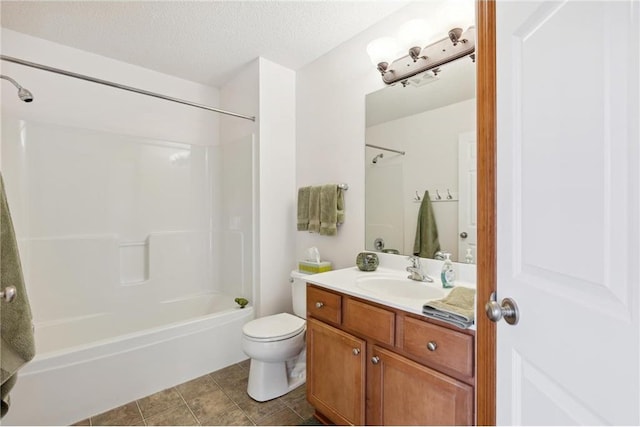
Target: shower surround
133, 251
135, 228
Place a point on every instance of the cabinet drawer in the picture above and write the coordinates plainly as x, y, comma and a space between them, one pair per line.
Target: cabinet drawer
370, 321
324, 305
437, 345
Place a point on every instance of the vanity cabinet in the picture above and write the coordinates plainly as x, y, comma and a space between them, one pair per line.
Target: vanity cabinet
369, 364
403, 392
336, 385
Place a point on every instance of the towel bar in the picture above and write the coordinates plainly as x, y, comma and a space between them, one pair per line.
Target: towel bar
8, 294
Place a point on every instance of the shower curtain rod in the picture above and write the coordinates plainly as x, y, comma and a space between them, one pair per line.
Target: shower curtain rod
384, 148
119, 86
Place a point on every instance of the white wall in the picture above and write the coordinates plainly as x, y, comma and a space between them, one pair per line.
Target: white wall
267, 90
331, 130
277, 186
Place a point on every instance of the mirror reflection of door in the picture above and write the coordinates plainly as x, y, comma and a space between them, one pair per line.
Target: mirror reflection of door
467, 205
425, 120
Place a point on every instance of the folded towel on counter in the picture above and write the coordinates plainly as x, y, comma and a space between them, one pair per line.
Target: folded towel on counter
303, 208
314, 210
426, 243
329, 209
16, 328
457, 308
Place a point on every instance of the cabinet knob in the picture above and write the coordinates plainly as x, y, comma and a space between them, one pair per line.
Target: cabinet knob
431, 345
319, 304
375, 360
356, 351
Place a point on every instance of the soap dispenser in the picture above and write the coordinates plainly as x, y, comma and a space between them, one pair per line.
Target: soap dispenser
448, 274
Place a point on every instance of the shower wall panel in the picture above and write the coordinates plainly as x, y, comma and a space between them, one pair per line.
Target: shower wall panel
107, 222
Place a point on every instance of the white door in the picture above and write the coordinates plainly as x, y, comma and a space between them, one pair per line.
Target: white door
568, 216
467, 201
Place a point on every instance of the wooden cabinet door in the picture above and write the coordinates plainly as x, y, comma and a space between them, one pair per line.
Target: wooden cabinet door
402, 392
336, 378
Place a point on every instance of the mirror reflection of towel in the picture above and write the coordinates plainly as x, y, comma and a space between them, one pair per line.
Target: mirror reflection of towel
426, 244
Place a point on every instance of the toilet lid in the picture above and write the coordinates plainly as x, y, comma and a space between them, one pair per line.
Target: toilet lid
275, 327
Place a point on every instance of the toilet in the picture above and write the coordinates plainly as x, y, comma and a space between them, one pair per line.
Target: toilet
276, 346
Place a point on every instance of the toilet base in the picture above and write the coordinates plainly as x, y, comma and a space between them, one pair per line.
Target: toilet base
269, 380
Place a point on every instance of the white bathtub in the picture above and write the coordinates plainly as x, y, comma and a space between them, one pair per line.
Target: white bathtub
88, 365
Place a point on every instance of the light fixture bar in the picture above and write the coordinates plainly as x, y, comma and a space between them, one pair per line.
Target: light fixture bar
455, 46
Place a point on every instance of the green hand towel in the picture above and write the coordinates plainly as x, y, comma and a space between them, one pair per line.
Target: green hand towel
457, 308
303, 208
314, 210
426, 243
329, 210
16, 330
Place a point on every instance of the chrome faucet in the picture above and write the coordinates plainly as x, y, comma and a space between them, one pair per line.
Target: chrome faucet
416, 270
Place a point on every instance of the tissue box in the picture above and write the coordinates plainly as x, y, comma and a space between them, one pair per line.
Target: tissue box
314, 267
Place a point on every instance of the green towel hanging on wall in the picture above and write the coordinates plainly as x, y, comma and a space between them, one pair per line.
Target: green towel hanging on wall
17, 346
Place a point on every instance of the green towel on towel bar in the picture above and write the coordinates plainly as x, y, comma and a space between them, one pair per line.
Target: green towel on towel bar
426, 243
303, 208
331, 209
457, 308
314, 210
16, 329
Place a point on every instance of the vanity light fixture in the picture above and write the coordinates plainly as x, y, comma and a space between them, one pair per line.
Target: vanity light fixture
414, 34
456, 45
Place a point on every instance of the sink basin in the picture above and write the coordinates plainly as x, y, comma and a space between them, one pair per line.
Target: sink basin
395, 287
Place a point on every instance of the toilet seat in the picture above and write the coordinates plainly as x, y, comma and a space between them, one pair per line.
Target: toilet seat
276, 327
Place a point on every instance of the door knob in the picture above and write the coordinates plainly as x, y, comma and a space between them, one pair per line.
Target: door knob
464, 235
507, 309
375, 360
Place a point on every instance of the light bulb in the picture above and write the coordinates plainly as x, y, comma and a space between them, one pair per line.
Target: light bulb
414, 33
382, 50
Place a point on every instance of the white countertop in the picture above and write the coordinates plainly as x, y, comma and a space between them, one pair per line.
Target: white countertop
347, 280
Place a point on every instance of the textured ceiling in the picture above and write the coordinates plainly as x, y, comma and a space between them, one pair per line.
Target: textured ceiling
203, 41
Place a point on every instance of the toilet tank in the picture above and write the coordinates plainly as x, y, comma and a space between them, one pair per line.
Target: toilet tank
299, 293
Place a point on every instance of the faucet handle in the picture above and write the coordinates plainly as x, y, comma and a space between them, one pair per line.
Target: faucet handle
415, 261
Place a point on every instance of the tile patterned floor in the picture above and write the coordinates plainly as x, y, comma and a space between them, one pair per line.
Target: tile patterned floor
219, 398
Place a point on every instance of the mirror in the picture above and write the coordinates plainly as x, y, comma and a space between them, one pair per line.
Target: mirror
420, 137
